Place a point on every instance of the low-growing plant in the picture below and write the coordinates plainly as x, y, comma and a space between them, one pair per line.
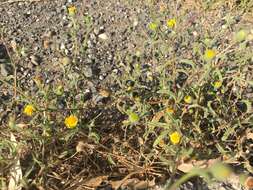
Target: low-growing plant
184, 95
192, 93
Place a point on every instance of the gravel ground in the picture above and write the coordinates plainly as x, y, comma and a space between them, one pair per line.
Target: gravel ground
43, 31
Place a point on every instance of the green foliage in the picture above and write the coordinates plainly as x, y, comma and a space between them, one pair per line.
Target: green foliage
180, 77
202, 81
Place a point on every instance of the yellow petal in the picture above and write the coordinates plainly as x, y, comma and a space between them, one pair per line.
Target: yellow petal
71, 121
175, 137
29, 110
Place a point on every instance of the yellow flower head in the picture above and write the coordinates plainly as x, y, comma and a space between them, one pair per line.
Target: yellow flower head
29, 110
72, 10
153, 26
188, 99
169, 110
71, 121
209, 54
171, 23
217, 84
175, 137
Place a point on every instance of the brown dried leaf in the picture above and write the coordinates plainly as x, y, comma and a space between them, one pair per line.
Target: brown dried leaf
22, 125
249, 183
158, 116
104, 93
46, 43
186, 167
96, 181
144, 184
80, 147
249, 136
124, 183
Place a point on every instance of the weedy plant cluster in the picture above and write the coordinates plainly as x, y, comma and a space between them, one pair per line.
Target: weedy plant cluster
192, 94
185, 95
195, 102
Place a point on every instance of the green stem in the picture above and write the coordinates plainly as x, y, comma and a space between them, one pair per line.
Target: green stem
186, 177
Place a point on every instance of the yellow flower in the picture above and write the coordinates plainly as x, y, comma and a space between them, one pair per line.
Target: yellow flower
217, 84
71, 121
29, 110
188, 99
209, 54
153, 26
171, 23
169, 110
72, 10
175, 137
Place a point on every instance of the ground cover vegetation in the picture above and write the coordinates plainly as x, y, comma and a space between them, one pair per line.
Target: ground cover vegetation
180, 98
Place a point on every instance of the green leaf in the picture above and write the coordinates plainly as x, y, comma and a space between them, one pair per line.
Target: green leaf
133, 117
241, 35
160, 137
221, 149
211, 110
188, 62
220, 171
110, 160
230, 130
94, 136
167, 92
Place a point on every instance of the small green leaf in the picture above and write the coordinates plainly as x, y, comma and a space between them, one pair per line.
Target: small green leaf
229, 131
160, 137
188, 62
110, 160
153, 26
133, 117
241, 35
94, 136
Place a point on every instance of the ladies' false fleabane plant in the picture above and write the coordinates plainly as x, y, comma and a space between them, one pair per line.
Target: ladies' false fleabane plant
29, 110
71, 121
175, 137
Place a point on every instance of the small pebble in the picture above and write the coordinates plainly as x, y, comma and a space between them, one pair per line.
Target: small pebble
35, 59
87, 72
103, 36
